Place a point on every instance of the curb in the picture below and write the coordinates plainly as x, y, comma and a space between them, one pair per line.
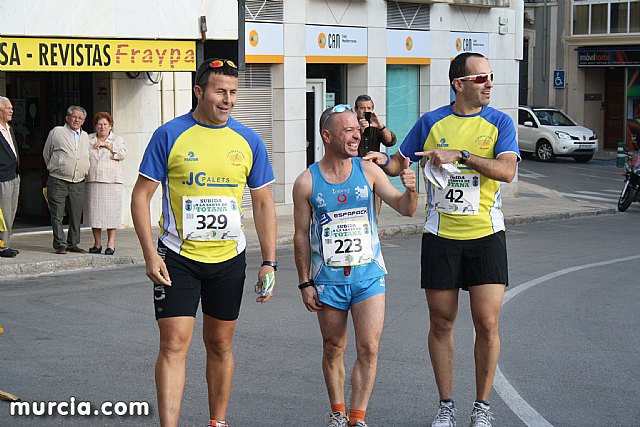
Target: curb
530, 219
40, 268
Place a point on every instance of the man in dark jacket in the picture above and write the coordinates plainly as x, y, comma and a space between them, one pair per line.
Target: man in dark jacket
9, 176
372, 131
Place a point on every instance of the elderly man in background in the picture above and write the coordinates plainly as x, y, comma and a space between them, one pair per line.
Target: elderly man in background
66, 154
9, 176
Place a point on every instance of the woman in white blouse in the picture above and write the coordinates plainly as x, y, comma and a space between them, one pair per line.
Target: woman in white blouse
104, 186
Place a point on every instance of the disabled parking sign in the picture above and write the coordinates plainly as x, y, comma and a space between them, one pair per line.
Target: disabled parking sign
558, 79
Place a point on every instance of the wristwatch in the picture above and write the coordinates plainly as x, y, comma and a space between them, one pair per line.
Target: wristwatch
465, 156
273, 264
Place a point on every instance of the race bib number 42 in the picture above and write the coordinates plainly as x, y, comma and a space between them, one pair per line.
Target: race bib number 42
346, 238
461, 196
210, 218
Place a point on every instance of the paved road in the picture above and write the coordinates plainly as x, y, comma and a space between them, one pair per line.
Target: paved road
597, 181
569, 358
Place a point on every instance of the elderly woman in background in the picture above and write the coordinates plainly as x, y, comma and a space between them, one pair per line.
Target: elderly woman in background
103, 200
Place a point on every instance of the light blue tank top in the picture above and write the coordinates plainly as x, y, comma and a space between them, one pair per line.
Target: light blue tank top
345, 247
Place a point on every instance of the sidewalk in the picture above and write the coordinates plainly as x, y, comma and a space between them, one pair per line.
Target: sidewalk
532, 203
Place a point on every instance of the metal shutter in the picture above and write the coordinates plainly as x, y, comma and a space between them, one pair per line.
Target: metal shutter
408, 15
264, 10
255, 107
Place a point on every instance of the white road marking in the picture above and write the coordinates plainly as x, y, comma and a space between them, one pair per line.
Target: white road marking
587, 197
601, 177
505, 390
531, 175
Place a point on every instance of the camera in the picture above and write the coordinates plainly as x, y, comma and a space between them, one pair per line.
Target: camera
367, 116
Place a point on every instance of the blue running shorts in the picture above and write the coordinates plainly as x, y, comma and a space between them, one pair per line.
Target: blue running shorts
343, 297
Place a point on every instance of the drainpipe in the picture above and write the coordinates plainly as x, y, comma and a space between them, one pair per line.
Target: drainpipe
545, 45
241, 61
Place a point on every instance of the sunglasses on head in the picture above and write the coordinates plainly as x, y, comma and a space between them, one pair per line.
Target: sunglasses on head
218, 63
477, 78
340, 108
215, 64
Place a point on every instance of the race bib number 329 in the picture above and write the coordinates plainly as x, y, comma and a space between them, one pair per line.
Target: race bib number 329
210, 218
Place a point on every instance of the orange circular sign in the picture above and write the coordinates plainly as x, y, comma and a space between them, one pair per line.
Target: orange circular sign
322, 40
253, 38
458, 44
409, 43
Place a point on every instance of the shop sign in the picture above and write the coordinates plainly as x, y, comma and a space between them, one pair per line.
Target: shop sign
336, 45
469, 42
603, 57
408, 47
36, 54
264, 43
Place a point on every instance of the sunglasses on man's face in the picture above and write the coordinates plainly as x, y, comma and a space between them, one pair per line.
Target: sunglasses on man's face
477, 78
340, 108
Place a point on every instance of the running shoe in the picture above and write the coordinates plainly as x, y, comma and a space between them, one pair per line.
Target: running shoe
361, 423
337, 419
214, 423
446, 416
481, 416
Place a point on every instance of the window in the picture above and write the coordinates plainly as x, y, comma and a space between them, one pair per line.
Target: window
618, 18
581, 19
634, 17
606, 17
524, 116
599, 17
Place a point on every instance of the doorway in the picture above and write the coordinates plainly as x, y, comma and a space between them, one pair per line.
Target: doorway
316, 104
614, 94
40, 101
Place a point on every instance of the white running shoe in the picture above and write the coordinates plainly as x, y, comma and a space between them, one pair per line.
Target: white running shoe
336, 419
361, 423
446, 416
481, 416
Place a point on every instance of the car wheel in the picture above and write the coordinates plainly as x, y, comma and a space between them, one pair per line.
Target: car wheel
544, 152
583, 158
627, 196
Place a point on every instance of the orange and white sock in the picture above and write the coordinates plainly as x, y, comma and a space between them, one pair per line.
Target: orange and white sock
339, 407
356, 415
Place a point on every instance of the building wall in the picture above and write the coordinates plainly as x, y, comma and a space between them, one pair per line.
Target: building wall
161, 19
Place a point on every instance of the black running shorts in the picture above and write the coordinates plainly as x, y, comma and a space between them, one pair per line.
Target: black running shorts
218, 285
451, 264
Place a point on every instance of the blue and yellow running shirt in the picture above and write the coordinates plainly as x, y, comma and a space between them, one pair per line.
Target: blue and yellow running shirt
203, 171
469, 206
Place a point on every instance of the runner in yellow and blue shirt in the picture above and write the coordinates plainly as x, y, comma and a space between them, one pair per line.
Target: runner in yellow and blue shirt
463, 244
204, 160
203, 170
469, 207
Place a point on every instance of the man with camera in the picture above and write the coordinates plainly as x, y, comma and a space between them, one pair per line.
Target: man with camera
373, 132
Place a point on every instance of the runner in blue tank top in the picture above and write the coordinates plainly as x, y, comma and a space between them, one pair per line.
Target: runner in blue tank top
337, 253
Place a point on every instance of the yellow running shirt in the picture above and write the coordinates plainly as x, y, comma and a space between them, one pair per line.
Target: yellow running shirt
203, 171
469, 206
